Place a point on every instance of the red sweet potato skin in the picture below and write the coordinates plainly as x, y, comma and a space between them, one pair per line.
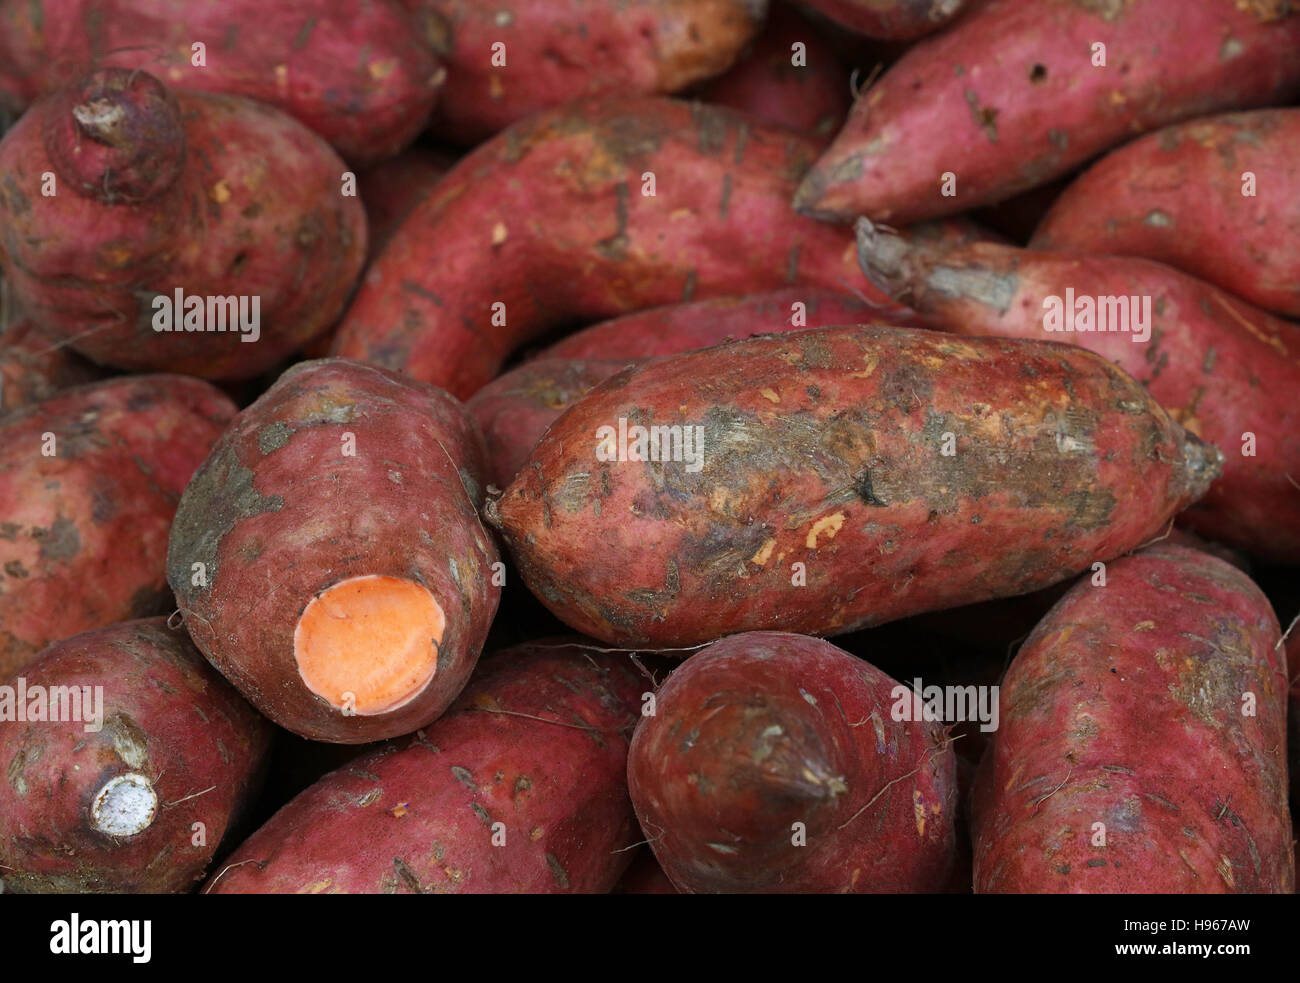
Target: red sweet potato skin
1009, 98
1176, 196
1217, 364
1293, 714
168, 718
823, 501
763, 730
83, 531
420, 820
1125, 707
556, 51
232, 224
676, 328
895, 20
548, 221
392, 189
280, 501
514, 409
33, 367
811, 96
356, 72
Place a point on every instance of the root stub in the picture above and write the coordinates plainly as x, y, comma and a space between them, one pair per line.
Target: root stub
369, 644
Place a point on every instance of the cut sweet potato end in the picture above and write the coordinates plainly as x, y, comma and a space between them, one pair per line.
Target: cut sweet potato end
368, 645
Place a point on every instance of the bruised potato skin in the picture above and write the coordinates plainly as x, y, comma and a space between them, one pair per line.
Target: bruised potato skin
1224, 369
519, 789
1127, 707
556, 51
356, 72
171, 725
89, 482
338, 471
823, 500
763, 730
551, 222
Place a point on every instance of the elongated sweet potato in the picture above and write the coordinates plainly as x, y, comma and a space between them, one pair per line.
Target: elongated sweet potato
790, 76
895, 20
1140, 740
1293, 714
1217, 364
128, 759
328, 556
515, 408
89, 481
355, 71
174, 242
512, 58
33, 367
553, 222
1015, 95
827, 480
773, 763
1217, 197
519, 788
676, 328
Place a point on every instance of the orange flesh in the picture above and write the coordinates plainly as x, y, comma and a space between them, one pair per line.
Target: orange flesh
369, 644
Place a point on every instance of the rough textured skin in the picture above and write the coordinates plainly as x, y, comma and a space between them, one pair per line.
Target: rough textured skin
514, 409
254, 210
560, 50
549, 219
763, 730
1125, 707
537, 742
1176, 196
356, 72
825, 449
168, 718
32, 367
391, 190
278, 513
895, 20
83, 532
1221, 367
812, 97
1009, 98
676, 328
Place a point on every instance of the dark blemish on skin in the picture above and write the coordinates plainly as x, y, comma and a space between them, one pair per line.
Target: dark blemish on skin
557, 871
985, 117
1038, 74
726, 196
465, 777
615, 247
863, 489
410, 286
407, 875
60, 542
273, 436
688, 291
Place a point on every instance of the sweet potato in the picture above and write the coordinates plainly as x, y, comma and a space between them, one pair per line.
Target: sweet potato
140, 761
32, 367
1014, 95
328, 556
1223, 369
1140, 740
789, 76
512, 58
168, 204
1179, 196
895, 20
774, 763
551, 222
392, 190
356, 72
839, 478
89, 481
519, 788
1293, 713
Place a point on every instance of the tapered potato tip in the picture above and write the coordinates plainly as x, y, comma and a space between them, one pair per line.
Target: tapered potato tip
369, 644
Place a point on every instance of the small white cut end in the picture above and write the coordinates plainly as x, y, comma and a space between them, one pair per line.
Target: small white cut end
124, 806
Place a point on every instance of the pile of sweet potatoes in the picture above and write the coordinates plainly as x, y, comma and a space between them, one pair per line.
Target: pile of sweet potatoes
595, 446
